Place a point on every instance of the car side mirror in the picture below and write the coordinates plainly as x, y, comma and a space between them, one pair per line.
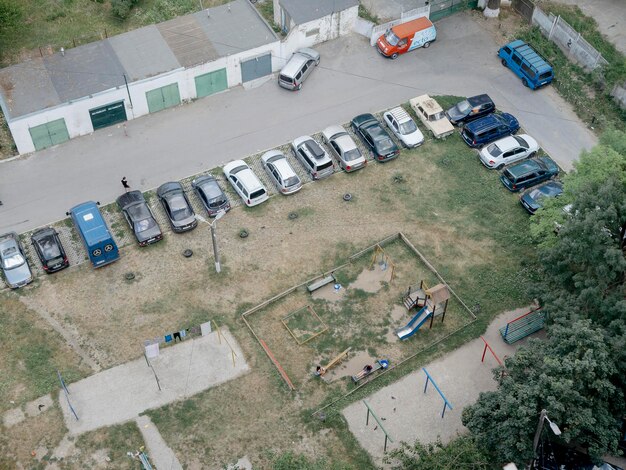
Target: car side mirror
97, 203
67, 213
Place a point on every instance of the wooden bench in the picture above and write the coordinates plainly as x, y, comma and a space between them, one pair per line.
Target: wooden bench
321, 283
335, 361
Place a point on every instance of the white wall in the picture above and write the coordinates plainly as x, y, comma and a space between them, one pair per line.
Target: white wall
76, 113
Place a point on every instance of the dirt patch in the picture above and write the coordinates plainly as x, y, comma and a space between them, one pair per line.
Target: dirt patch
371, 280
349, 367
329, 292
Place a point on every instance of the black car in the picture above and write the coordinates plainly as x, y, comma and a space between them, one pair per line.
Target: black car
139, 218
470, 109
176, 205
211, 194
532, 200
49, 249
376, 138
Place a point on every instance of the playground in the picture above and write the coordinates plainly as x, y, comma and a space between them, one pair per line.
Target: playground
427, 403
348, 325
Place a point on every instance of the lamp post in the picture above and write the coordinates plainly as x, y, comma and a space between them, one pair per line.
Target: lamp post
555, 429
216, 253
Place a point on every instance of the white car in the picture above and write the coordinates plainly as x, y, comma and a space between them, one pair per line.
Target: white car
508, 150
281, 172
403, 127
245, 183
345, 149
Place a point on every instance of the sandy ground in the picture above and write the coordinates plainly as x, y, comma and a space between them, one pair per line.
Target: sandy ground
123, 392
409, 414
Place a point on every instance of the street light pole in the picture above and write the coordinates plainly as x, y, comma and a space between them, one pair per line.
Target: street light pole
216, 253
555, 429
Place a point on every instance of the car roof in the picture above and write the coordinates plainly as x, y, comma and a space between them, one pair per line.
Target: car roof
230, 166
284, 168
405, 29
400, 114
296, 61
523, 167
345, 142
429, 104
507, 143
479, 99
483, 122
249, 179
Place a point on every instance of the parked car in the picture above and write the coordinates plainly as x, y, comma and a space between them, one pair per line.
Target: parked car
403, 127
139, 218
344, 148
529, 173
470, 109
313, 157
179, 211
406, 37
508, 150
245, 183
526, 63
489, 128
49, 250
14, 264
432, 116
375, 137
532, 199
281, 172
298, 68
211, 194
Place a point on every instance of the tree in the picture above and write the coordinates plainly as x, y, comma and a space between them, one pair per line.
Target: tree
463, 452
573, 375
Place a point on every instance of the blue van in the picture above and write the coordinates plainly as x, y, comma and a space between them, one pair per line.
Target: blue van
522, 59
489, 128
98, 241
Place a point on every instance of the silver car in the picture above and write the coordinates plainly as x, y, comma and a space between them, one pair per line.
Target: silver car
14, 265
344, 148
313, 157
179, 212
281, 172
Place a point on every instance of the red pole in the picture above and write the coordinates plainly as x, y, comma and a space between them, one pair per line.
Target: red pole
484, 351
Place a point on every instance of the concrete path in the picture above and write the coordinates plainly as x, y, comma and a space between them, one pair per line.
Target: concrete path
610, 16
408, 414
160, 455
351, 79
120, 394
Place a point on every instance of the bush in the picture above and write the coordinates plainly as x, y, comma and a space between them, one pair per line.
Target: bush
121, 8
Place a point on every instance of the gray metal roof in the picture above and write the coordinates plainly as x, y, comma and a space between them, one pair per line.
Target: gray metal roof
235, 27
303, 11
189, 40
143, 53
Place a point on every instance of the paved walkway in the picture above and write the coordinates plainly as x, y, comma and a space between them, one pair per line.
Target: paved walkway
159, 453
408, 414
121, 393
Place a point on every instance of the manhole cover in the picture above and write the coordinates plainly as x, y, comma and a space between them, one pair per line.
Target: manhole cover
187, 253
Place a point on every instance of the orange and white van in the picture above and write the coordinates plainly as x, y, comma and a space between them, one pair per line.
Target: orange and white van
406, 37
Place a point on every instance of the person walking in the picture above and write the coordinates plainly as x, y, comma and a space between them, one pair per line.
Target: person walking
125, 183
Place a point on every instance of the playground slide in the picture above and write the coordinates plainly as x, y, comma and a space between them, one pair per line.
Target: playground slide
415, 323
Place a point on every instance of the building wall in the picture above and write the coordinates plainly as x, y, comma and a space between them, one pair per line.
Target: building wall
76, 113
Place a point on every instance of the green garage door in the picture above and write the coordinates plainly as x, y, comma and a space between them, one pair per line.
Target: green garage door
107, 115
442, 8
162, 98
256, 68
211, 82
49, 134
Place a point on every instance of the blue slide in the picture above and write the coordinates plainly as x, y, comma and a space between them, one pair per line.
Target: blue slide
415, 323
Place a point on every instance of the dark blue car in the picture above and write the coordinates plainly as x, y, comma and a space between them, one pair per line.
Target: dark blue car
532, 200
489, 128
529, 173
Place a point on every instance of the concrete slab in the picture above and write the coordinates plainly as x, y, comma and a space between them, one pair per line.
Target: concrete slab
409, 414
158, 451
13, 417
120, 394
38, 406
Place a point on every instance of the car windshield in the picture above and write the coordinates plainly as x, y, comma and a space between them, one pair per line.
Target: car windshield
12, 258
143, 225
291, 181
391, 38
537, 194
408, 127
545, 75
463, 107
217, 202
385, 145
436, 116
494, 150
521, 141
180, 209
351, 155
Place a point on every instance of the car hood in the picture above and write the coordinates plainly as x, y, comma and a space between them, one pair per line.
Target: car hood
414, 138
441, 126
17, 275
454, 114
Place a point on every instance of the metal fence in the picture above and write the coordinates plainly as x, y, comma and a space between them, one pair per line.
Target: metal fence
568, 39
406, 16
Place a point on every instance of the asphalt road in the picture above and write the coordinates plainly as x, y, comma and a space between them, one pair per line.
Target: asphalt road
351, 79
